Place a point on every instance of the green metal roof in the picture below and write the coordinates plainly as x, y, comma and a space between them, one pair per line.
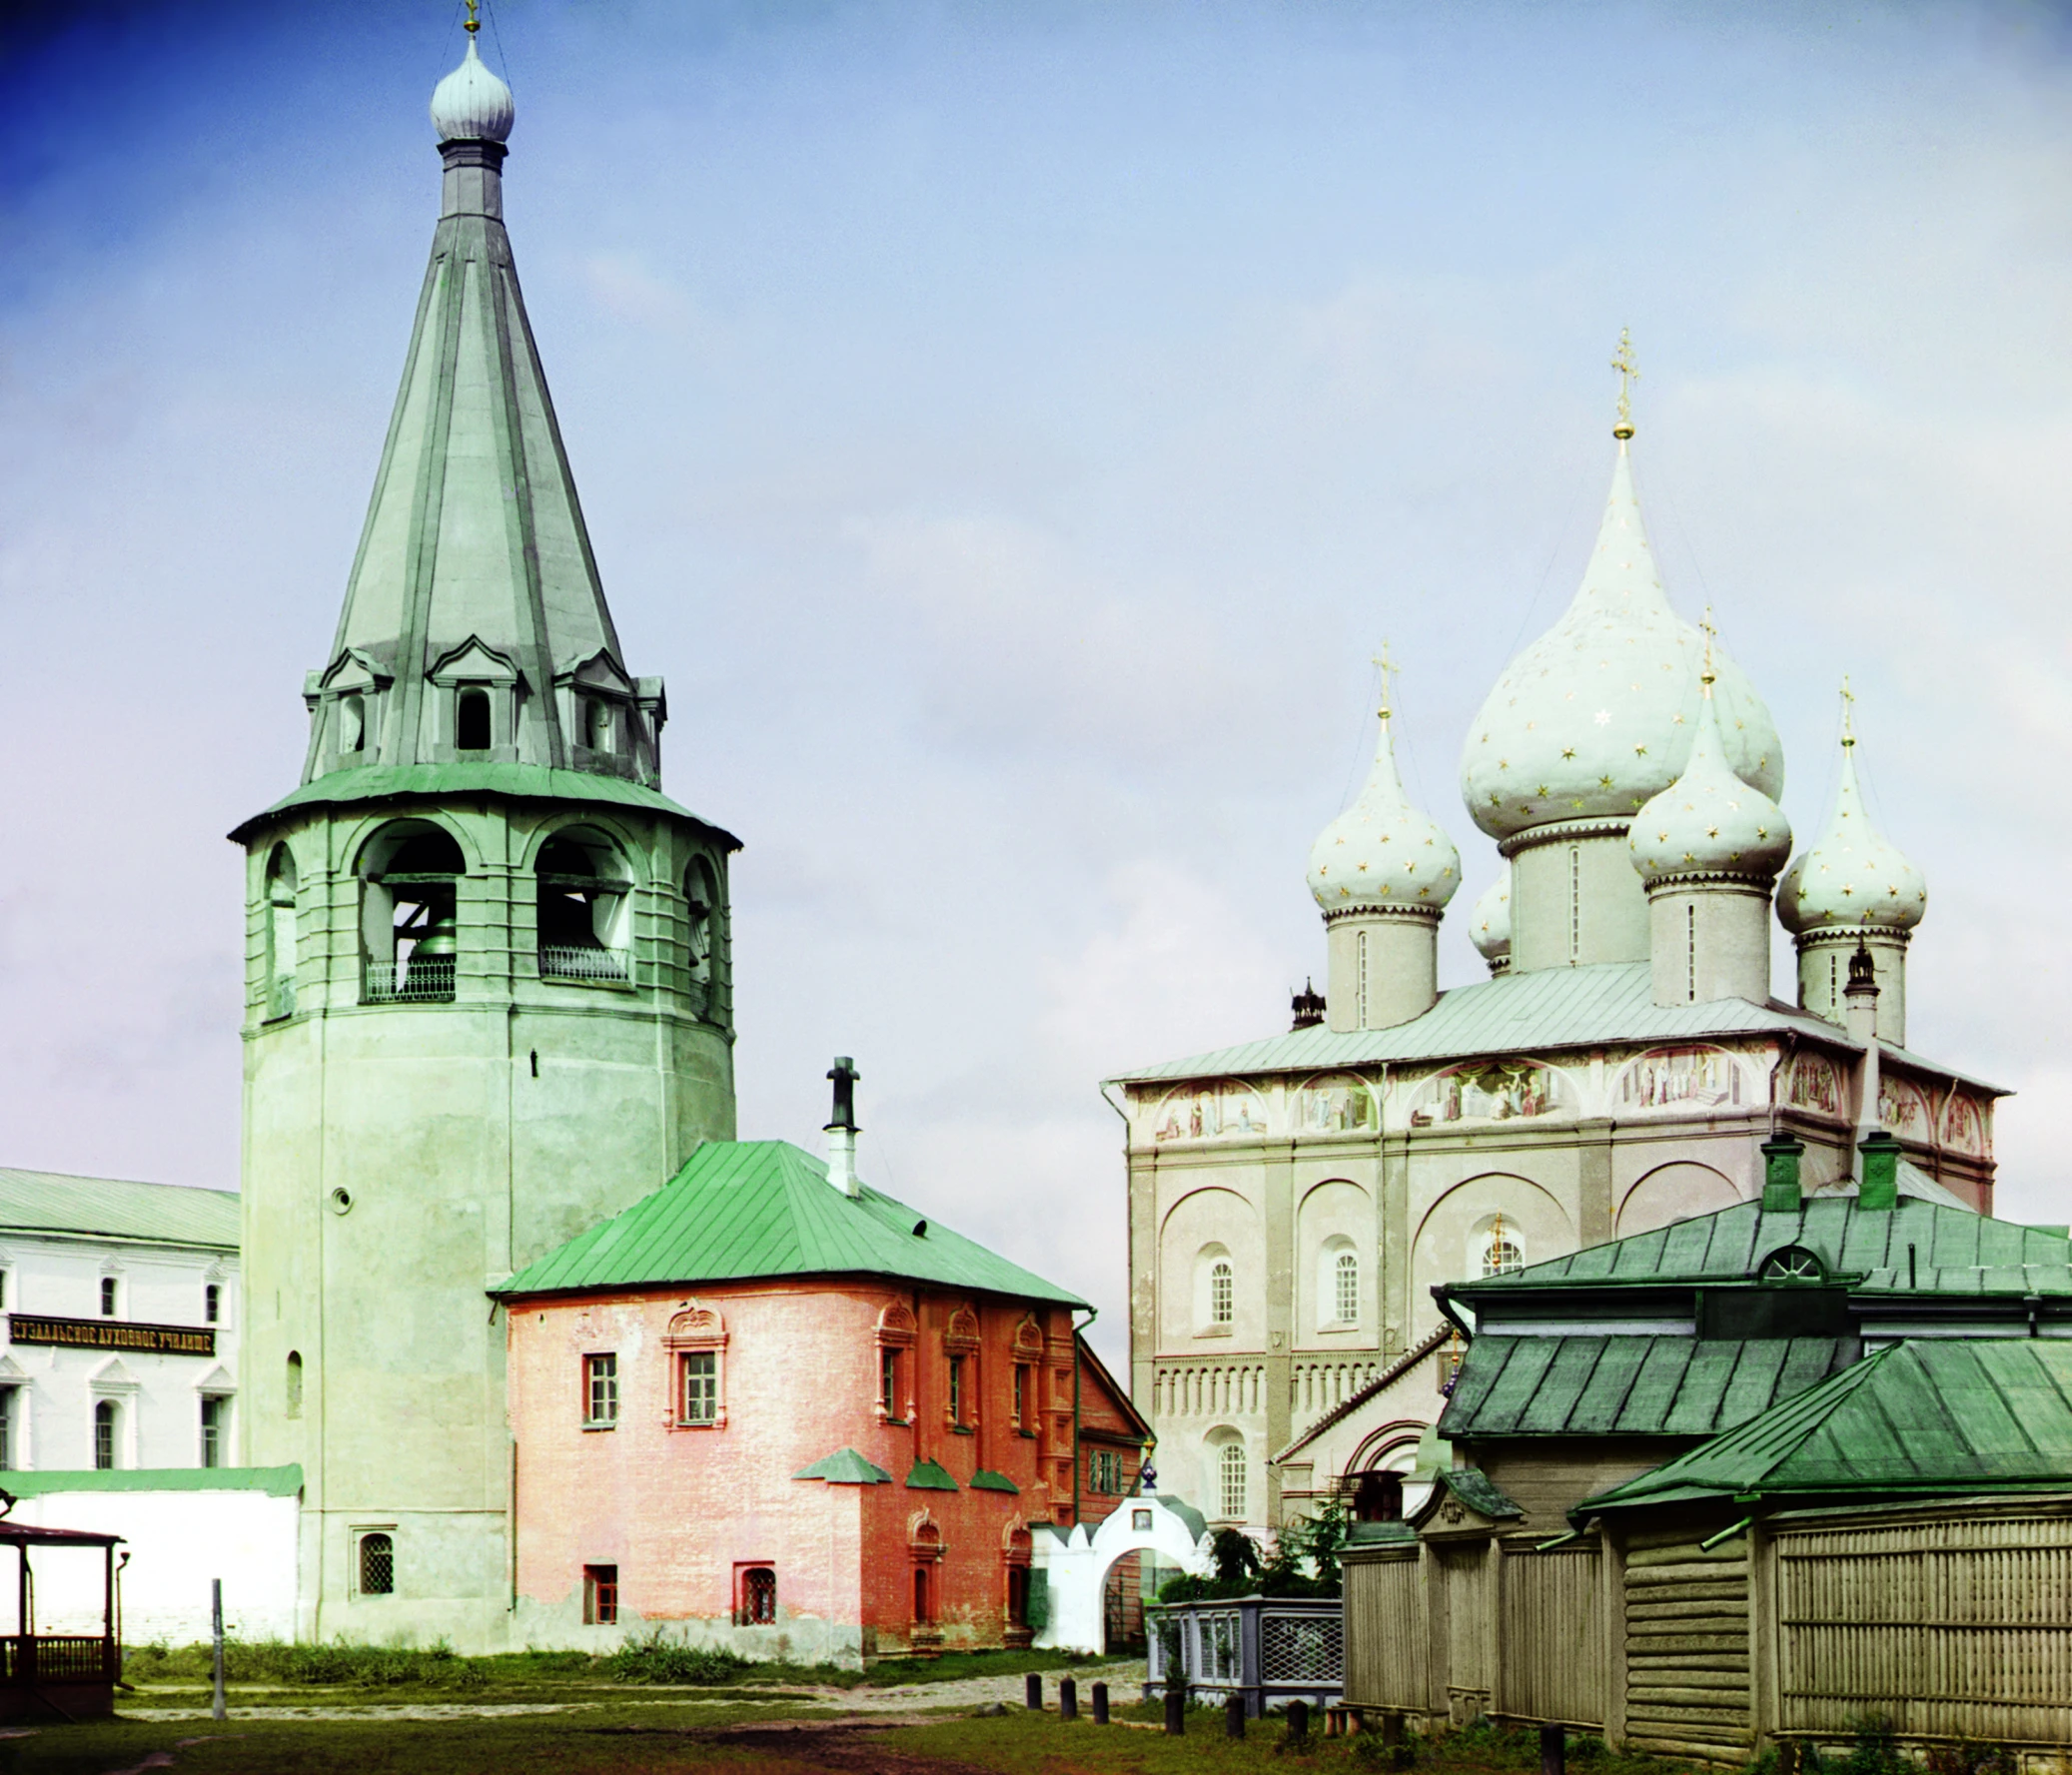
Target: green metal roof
985, 1479
1533, 1012
275, 1481
115, 1208
845, 1467
1850, 1240
1956, 1415
1629, 1385
1473, 1487
741, 1210
537, 782
930, 1475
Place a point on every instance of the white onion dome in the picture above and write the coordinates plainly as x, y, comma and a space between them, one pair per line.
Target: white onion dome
471, 105
1489, 922
1852, 874
1383, 853
1708, 822
1599, 714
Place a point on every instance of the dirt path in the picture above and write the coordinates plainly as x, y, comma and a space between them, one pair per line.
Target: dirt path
850, 1747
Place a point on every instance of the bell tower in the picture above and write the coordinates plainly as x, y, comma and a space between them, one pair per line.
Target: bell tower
487, 991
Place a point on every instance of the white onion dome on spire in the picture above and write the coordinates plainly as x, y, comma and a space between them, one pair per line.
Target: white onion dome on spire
1381, 853
1708, 822
1489, 922
1599, 714
1852, 874
470, 103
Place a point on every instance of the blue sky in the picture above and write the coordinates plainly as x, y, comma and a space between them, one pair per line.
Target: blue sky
1011, 430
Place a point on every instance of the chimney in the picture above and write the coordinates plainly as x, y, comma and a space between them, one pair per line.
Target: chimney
841, 1127
1780, 1186
1877, 1188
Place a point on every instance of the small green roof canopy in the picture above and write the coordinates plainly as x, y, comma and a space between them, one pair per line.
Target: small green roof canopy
845, 1467
1939, 1416
743, 1210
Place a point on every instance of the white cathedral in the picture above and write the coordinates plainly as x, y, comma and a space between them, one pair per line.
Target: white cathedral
1293, 1201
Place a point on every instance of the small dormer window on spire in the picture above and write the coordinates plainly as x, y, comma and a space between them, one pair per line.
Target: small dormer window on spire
472, 721
352, 722
600, 726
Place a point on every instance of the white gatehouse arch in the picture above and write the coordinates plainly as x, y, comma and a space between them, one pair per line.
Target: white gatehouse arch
1076, 1563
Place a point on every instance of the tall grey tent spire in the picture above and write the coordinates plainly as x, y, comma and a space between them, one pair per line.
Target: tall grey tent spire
475, 627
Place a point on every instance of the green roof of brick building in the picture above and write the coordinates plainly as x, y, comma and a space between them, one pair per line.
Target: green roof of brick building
116, 1208
1932, 1415
1629, 1385
743, 1210
1950, 1248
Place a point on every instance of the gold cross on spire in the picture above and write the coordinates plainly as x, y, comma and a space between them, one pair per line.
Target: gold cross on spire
1388, 669
1710, 630
1629, 373
1848, 712
473, 24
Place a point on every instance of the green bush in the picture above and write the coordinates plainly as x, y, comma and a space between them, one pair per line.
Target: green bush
653, 1657
339, 1663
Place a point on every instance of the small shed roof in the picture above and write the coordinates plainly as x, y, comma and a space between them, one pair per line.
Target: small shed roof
1928, 1415
743, 1210
1629, 1385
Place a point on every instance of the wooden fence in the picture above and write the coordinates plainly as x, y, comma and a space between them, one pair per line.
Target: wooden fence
1951, 1620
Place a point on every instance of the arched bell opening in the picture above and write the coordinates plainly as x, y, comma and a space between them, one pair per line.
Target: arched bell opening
705, 939
410, 929
282, 952
586, 903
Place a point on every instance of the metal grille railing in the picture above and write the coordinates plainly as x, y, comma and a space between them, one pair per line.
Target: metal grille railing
1303, 1648
57, 1657
560, 962
428, 981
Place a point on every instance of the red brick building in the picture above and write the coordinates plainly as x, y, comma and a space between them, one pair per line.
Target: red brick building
784, 1413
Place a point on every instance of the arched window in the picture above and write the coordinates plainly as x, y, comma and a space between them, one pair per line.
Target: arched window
600, 726
282, 953
106, 1417
352, 721
376, 1565
212, 1304
759, 1596
1230, 1463
582, 907
1495, 1248
295, 1383
409, 913
1222, 1293
705, 949
921, 1615
1345, 1288
472, 721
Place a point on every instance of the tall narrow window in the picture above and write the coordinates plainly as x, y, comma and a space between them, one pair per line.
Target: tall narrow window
352, 722
1360, 996
1347, 1276
599, 729
104, 1435
1231, 1465
1221, 1294
758, 1605
472, 721
956, 1389
215, 1423
1690, 950
212, 1304
376, 1565
601, 1595
282, 952
1574, 903
921, 1615
702, 1386
600, 1390
7, 1428
703, 957
1021, 1395
108, 1296
1017, 1595
295, 1383
889, 1382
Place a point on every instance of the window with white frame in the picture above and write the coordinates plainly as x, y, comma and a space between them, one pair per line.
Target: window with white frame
214, 1430
111, 1296
600, 1390
701, 1386
1222, 1293
1344, 1281
107, 1428
1498, 1246
1230, 1467
376, 1565
10, 1428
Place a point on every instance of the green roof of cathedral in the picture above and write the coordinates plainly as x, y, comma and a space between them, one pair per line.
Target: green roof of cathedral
116, 1208
1958, 1414
1543, 1009
1955, 1251
1616, 1385
740, 1210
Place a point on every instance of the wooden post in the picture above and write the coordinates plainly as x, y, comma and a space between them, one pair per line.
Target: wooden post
1438, 1662
1298, 1721
1234, 1717
1068, 1698
1032, 1693
1492, 1628
1176, 1712
1100, 1693
1764, 1712
1611, 1568
217, 1710
1554, 1750
1391, 1731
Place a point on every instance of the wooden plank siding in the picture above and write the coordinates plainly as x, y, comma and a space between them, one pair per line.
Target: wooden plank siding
1687, 1643
1550, 1603
1385, 1633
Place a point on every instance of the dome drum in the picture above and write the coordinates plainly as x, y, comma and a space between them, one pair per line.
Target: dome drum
1709, 938
1419, 914
1383, 967
1575, 899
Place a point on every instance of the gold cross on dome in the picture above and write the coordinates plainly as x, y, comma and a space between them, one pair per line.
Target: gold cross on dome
1848, 712
1629, 373
1711, 630
473, 24
1387, 669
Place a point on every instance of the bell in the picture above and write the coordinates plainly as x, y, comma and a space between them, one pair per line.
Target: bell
438, 938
